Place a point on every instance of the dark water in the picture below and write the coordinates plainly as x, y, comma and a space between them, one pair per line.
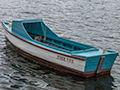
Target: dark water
92, 22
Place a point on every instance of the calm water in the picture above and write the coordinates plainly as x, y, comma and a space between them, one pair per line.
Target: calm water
92, 22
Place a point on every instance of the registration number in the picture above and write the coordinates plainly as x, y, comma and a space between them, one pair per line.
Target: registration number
66, 59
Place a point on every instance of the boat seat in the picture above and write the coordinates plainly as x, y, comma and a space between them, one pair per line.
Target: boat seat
59, 44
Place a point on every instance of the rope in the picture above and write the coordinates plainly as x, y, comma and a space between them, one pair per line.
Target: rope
45, 34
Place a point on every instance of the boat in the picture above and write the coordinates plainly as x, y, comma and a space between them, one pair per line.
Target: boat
36, 41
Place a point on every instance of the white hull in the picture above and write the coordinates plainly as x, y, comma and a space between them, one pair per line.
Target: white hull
35, 50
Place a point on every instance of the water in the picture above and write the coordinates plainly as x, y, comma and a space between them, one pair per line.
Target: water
92, 22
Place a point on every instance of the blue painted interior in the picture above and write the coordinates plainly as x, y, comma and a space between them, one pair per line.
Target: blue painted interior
32, 28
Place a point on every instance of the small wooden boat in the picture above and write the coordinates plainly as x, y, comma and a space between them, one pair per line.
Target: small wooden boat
34, 40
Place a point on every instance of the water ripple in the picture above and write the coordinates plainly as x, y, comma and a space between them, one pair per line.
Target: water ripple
90, 22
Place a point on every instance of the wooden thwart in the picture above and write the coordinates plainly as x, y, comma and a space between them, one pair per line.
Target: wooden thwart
100, 65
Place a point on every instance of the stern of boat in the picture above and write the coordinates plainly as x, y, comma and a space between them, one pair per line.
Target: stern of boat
98, 61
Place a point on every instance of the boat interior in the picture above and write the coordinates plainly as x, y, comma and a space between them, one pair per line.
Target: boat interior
40, 32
